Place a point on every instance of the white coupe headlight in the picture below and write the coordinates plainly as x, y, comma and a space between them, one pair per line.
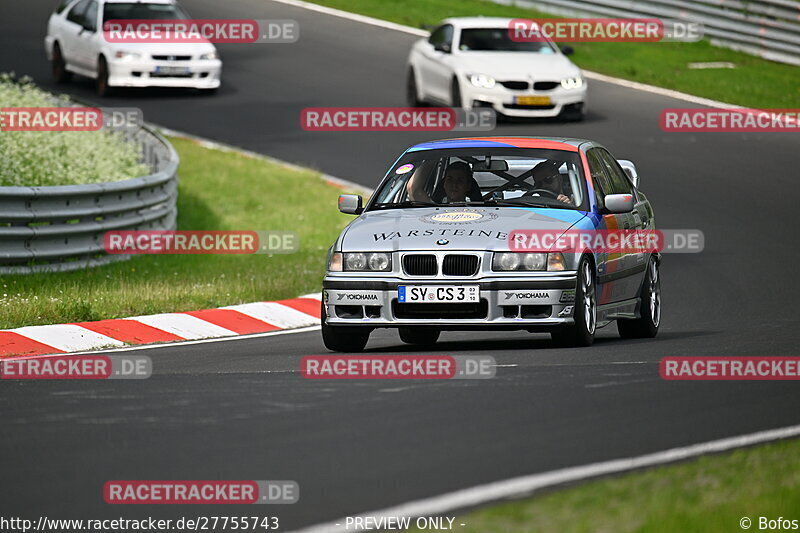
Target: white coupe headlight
210, 55
527, 262
362, 262
127, 55
572, 83
482, 80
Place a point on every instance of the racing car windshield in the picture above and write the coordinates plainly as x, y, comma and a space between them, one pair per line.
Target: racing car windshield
498, 40
142, 11
519, 178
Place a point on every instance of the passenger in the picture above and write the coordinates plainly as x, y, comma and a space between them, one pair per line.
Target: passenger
457, 184
546, 177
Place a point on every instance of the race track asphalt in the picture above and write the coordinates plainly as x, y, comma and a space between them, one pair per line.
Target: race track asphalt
240, 410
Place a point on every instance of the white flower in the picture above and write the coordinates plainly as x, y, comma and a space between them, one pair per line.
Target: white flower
40, 158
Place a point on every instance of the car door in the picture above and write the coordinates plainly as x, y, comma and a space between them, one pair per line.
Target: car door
633, 262
70, 31
434, 74
610, 269
89, 39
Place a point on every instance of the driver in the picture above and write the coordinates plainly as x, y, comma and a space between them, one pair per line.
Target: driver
546, 177
457, 183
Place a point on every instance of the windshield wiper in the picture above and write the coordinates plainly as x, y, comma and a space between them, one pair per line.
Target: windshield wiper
525, 202
407, 203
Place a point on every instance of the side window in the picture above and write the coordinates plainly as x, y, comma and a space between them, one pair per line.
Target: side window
602, 184
90, 18
443, 35
619, 180
62, 5
77, 12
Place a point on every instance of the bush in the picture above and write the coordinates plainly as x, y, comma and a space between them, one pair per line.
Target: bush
34, 158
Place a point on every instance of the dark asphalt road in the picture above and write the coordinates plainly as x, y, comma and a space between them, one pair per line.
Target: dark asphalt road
240, 410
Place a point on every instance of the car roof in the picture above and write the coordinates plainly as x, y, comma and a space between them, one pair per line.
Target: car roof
552, 143
478, 22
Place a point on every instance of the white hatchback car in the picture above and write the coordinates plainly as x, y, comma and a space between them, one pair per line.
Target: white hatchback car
473, 62
75, 44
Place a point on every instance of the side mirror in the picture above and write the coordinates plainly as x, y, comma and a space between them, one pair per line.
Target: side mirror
619, 203
88, 27
630, 170
350, 204
567, 50
442, 47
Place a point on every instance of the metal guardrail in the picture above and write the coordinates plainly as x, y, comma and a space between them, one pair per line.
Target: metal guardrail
61, 228
766, 28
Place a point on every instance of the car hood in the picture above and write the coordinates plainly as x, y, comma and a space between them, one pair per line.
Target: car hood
518, 65
163, 48
464, 228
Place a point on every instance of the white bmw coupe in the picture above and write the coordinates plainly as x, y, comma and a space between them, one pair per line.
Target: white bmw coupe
473, 62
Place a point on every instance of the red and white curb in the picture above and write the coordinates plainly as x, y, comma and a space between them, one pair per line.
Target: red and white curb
244, 319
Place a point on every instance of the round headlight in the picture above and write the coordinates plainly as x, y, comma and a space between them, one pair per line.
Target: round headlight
379, 262
534, 261
356, 261
507, 261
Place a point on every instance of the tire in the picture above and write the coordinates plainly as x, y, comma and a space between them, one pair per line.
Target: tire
646, 326
420, 335
343, 338
455, 94
59, 66
585, 312
412, 95
101, 84
207, 92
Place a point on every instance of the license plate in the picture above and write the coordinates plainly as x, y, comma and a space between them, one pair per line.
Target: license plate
438, 293
173, 70
533, 100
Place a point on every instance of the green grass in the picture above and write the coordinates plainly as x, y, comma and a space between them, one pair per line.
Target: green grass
711, 493
754, 83
218, 191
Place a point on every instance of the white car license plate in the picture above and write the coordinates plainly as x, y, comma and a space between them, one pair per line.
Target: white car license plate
173, 71
438, 293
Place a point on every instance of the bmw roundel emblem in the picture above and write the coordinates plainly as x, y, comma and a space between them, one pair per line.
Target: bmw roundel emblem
442, 242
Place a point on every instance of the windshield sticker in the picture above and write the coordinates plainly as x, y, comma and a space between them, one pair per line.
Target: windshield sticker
466, 216
404, 169
457, 216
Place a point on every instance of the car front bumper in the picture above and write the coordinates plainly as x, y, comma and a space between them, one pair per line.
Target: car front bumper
542, 302
200, 74
504, 100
